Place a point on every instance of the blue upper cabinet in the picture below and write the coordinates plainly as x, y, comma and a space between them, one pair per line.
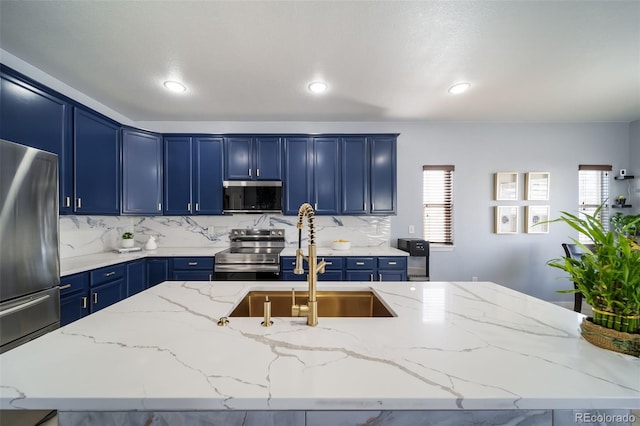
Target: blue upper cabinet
297, 174
369, 174
252, 158
141, 172
267, 158
96, 164
192, 175
33, 117
207, 169
325, 175
355, 172
178, 175
383, 171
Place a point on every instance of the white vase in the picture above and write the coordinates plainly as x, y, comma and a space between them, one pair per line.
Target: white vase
128, 243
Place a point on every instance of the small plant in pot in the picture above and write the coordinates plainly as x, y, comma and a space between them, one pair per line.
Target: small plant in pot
608, 276
127, 240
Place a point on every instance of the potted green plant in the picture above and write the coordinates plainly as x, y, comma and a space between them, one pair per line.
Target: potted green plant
127, 240
608, 276
626, 224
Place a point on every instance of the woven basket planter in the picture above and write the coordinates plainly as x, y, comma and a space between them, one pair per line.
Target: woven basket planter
613, 340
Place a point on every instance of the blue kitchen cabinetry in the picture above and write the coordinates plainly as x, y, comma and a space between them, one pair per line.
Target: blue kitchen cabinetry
157, 270
136, 277
96, 148
371, 268
252, 158
32, 116
312, 174
107, 286
369, 174
192, 269
192, 175
141, 172
333, 269
74, 297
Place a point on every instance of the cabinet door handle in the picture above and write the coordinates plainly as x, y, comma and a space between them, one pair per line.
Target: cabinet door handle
371, 277
84, 302
109, 274
380, 277
95, 298
189, 206
197, 206
159, 206
257, 172
249, 172
359, 263
393, 263
63, 287
79, 203
193, 263
67, 201
210, 277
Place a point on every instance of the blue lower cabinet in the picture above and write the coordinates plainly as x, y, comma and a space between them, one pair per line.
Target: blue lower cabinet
74, 297
136, 276
157, 271
357, 275
334, 270
392, 268
192, 269
108, 285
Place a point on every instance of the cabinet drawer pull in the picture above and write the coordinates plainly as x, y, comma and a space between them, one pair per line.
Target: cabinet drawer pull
193, 263
108, 274
63, 287
393, 263
84, 302
328, 263
95, 298
359, 263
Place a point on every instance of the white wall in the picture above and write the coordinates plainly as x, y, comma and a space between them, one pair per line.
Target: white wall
634, 164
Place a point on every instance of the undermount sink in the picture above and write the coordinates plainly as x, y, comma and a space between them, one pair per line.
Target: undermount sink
361, 303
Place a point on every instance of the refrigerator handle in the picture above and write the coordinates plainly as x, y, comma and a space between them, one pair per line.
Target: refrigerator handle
23, 305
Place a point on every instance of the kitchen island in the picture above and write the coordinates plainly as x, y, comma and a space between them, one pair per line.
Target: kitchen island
452, 348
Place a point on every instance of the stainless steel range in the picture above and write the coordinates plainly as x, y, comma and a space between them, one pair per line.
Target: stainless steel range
254, 255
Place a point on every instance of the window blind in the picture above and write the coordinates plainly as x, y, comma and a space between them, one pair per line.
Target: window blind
437, 199
593, 191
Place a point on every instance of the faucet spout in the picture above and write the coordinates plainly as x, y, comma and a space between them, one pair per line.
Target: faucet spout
310, 310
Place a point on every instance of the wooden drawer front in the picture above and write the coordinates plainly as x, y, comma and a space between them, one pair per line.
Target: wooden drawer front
72, 283
193, 263
108, 273
361, 263
333, 263
392, 263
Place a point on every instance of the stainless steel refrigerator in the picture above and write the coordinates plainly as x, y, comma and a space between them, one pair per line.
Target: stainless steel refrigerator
29, 246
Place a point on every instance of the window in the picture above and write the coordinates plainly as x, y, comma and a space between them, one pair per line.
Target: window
593, 191
437, 199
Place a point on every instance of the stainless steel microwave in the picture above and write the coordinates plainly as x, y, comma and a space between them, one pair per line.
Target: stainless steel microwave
252, 196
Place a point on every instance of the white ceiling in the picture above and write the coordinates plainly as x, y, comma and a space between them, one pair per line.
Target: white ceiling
553, 61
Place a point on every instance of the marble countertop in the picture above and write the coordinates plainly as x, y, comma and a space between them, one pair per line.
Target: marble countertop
452, 345
74, 265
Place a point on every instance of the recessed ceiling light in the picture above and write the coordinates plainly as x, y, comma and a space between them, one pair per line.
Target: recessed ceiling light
317, 87
175, 86
459, 88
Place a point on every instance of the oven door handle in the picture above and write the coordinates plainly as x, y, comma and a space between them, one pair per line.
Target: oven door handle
247, 267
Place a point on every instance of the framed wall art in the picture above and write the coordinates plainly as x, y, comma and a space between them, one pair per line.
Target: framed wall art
535, 215
506, 219
536, 186
506, 186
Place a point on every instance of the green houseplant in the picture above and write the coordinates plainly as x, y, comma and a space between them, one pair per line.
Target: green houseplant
127, 239
608, 276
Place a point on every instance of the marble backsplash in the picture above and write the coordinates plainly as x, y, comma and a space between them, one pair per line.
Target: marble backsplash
83, 235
